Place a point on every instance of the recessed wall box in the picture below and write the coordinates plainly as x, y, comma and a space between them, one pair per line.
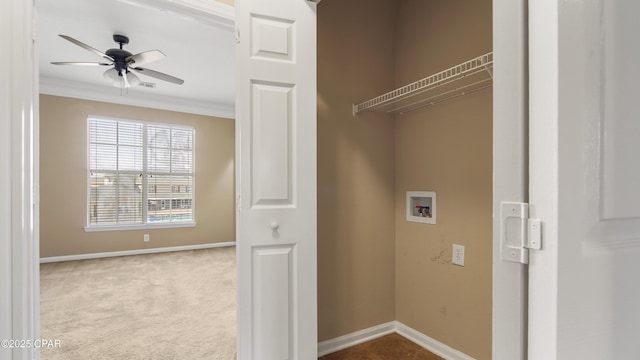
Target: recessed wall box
421, 206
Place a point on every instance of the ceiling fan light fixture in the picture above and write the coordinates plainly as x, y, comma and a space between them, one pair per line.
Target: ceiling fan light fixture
113, 77
133, 79
118, 81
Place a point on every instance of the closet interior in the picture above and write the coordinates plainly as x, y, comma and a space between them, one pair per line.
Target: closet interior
405, 111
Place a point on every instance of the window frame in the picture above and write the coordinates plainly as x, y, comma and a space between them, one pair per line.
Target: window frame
145, 185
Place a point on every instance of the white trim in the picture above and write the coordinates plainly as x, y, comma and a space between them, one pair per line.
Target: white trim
430, 344
144, 122
135, 252
374, 332
173, 225
510, 177
546, 55
76, 90
6, 159
210, 7
206, 11
355, 338
20, 298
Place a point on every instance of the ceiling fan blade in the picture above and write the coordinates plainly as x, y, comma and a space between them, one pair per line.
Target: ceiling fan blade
86, 47
158, 75
145, 57
80, 63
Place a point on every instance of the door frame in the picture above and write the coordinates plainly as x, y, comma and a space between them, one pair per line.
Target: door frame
19, 246
19, 159
510, 171
544, 102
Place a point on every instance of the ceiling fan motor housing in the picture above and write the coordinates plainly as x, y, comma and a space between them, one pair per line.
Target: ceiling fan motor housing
119, 58
119, 55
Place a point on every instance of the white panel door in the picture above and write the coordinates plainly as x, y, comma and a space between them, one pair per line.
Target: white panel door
584, 179
276, 179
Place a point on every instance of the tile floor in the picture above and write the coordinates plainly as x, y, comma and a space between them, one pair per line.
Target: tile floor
389, 347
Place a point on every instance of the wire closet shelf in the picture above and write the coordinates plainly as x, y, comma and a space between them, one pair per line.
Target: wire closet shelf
465, 78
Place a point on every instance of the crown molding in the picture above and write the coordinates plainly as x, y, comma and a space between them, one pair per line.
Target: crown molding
207, 11
72, 89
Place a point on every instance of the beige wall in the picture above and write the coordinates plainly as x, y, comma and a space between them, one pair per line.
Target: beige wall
446, 148
63, 180
355, 168
228, 2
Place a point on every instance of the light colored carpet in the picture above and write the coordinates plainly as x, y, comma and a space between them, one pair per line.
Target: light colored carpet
179, 305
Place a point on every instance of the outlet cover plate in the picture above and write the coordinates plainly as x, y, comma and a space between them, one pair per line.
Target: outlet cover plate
458, 255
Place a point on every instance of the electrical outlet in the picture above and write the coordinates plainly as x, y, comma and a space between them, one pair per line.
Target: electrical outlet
146, 237
458, 255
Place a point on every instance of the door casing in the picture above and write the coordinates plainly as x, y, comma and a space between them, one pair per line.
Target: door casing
510, 171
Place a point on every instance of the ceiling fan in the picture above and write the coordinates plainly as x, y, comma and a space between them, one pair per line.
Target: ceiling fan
123, 64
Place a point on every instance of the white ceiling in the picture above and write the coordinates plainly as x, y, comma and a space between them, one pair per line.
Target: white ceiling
199, 49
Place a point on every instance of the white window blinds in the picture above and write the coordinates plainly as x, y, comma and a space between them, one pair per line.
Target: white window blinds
139, 173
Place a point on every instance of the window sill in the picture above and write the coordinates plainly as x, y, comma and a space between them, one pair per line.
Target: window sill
96, 228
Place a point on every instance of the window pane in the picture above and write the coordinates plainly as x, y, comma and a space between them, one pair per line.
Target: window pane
181, 139
180, 183
103, 131
130, 134
159, 160
159, 204
115, 199
103, 199
181, 209
130, 158
159, 136
104, 157
171, 202
129, 199
181, 161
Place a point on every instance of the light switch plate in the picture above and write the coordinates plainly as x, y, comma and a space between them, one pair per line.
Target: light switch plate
458, 255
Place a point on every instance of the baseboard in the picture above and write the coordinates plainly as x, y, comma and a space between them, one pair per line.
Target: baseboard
358, 337
134, 252
430, 344
355, 338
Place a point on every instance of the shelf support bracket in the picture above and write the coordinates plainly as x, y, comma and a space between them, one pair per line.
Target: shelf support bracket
488, 68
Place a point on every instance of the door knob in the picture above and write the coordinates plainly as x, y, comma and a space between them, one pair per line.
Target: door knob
274, 226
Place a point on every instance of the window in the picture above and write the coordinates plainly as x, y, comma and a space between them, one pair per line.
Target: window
137, 171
